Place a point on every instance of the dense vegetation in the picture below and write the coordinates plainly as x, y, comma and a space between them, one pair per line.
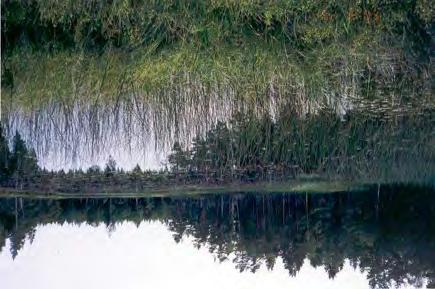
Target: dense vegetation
388, 231
19, 166
124, 23
162, 50
291, 74
357, 147
243, 91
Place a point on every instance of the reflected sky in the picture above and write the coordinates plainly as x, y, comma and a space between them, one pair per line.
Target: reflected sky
372, 238
144, 256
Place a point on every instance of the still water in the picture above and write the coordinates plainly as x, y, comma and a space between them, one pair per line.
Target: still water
379, 237
82, 256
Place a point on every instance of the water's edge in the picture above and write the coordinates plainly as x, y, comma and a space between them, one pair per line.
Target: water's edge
295, 186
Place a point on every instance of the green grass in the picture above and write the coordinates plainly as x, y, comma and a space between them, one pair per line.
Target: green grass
295, 186
80, 50
251, 74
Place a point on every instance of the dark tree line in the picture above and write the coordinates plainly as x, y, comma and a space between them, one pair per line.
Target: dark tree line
18, 165
387, 231
356, 145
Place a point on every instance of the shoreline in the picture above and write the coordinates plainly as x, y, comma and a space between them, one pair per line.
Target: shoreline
294, 186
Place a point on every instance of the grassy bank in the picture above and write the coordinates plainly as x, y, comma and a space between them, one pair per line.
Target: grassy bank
181, 66
295, 186
252, 74
359, 147
179, 51
93, 25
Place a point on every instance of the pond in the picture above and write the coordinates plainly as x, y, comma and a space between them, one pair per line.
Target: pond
217, 144
377, 237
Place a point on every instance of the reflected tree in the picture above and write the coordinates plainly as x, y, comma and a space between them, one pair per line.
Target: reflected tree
393, 243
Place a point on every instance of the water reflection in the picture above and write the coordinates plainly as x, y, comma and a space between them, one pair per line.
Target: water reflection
144, 256
387, 232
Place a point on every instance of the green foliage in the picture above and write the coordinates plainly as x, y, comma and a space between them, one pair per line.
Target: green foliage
128, 23
18, 166
178, 158
357, 146
110, 168
294, 57
4, 157
72, 50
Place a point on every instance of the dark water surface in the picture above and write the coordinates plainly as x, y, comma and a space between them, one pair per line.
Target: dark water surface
380, 237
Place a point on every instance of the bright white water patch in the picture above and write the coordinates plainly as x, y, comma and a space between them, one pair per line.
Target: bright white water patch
145, 256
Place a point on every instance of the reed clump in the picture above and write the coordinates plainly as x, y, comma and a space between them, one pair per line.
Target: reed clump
357, 147
71, 50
